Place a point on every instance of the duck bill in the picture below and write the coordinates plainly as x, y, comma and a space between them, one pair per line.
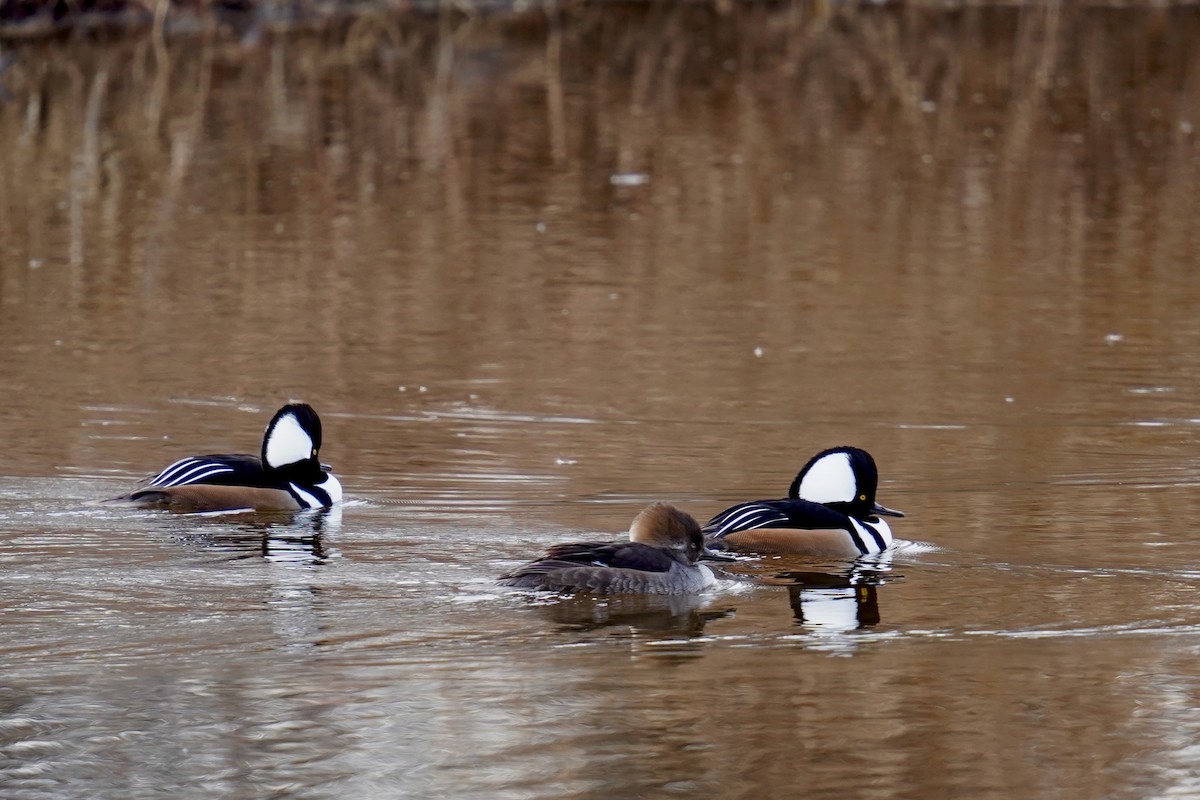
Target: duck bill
716, 555
887, 512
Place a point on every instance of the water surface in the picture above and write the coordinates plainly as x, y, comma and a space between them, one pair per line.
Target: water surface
535, 276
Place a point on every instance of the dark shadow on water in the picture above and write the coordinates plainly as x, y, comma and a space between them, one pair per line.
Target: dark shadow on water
684, 615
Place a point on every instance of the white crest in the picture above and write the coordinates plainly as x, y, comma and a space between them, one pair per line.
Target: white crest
829, 480
288, 442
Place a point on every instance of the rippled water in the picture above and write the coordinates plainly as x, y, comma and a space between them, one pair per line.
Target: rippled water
535, 276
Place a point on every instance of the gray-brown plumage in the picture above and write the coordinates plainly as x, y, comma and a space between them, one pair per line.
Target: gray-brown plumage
661, 557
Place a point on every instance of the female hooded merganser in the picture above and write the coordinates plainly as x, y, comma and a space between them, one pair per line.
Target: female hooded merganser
661, 557
287, 477
830, 511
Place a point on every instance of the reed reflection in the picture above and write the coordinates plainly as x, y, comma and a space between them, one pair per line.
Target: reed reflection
449, 187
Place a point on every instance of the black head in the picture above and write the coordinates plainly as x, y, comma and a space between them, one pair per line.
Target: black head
293, 439
843, 478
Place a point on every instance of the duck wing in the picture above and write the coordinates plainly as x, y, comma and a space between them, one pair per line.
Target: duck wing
616, 555
619, 555
220, 470
594, 566
790, 514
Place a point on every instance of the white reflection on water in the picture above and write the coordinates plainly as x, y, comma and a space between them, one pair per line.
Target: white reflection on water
1174, 705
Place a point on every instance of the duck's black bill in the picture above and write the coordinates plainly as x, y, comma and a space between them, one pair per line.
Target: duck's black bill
326, 468
887, 512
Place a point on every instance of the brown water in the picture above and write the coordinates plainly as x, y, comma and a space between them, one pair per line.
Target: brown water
534, 277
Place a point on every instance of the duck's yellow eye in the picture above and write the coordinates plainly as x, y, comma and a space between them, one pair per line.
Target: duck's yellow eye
862, 497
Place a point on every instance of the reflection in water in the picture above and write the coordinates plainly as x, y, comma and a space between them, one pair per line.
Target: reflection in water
834, 602
295, 537
640, 614
425, 203
832, 605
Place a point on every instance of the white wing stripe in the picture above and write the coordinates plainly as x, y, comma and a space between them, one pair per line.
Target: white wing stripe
199, 477
748, 519
188, 470
167, 473
760, 523
743, 514
198, 473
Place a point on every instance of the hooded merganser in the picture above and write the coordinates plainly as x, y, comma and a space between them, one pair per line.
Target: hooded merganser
830, 511
286, 477
661, 557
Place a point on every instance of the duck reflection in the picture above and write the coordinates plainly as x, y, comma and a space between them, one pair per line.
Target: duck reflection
835, 601
651, 614
284, 537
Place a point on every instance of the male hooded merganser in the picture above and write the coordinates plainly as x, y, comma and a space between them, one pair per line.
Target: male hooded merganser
287, 476
830, 511
661, 557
